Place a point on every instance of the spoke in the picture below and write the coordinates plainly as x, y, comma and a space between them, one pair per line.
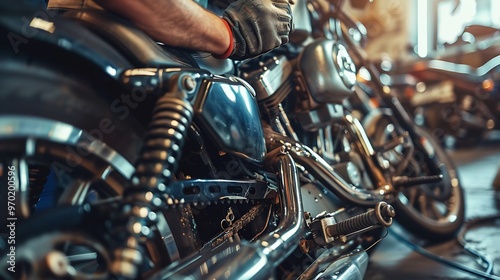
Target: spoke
90, 266
75, 193
412, 196
435, 210
423, 201
84, 257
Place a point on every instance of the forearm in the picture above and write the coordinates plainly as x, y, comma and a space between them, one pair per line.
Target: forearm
177, 23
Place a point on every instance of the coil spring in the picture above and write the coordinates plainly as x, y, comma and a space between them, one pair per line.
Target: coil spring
155, 168
163, 142
37, 179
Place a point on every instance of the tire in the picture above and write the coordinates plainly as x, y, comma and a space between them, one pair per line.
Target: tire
433, 211
50, 89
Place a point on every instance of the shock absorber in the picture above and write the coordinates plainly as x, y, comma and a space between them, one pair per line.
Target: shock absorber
155, 167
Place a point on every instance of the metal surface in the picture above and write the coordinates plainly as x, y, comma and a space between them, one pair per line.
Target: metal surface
242, 260
229, 114
68, 36
477, 167
350, 268
324, 172
206, 190
368, 154
327, 71
12, 127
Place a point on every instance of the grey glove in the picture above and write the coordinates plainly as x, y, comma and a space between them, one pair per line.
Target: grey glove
258, 26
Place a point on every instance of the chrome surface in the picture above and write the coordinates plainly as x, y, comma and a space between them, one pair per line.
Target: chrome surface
350, 268
58, 132
331, 178
256, 260
345, 64
21, 184
368, 154
332, 257
327, 71
301, 19
167, 238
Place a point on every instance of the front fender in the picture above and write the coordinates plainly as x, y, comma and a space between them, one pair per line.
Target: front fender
44, 32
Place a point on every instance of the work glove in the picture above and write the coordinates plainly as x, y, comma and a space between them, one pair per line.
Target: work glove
257, 26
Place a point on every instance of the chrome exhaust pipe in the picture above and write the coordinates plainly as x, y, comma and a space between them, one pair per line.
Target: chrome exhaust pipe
348, 268
256, 260
324, 173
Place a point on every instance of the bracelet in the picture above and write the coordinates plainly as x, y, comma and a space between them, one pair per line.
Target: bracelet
231, 42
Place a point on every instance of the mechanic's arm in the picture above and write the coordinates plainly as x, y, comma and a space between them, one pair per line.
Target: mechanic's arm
247, 28
178, 23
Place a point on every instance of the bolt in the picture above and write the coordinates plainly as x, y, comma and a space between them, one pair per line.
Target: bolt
188, 82
304, 246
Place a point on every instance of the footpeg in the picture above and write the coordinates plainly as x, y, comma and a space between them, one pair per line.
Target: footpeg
326, 230
405, 181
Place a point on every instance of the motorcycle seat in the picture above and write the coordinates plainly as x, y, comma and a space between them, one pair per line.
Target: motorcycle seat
130, 41
141, 48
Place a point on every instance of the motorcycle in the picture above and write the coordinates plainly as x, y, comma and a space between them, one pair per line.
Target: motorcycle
429, 199
158, 169
455, 95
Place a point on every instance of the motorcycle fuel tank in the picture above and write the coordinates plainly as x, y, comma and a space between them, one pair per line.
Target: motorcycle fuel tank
230, 115
327, 71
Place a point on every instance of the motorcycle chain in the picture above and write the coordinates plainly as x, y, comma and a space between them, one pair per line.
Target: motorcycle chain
236, 226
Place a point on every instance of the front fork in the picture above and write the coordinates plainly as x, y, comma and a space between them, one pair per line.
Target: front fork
368, 155
386, 183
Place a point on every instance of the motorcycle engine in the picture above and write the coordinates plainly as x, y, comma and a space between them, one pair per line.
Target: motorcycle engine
326, 76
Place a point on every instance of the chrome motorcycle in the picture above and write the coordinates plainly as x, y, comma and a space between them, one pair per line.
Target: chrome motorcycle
156, 165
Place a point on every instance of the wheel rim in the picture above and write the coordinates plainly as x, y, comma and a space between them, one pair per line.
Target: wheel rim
86, 168
436, 205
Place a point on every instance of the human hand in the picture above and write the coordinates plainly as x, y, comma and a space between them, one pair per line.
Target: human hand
258, 26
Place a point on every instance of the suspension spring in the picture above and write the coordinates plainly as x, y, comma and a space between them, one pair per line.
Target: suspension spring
149, 187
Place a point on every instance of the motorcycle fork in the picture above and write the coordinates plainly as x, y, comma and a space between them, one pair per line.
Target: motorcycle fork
368, 155
402, 118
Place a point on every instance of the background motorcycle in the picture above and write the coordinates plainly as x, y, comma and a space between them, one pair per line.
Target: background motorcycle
159, 168
455, 95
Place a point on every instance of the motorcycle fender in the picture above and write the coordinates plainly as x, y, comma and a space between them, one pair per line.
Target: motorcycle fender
51, 35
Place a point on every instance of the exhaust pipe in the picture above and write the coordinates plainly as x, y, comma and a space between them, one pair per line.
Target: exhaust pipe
256, 260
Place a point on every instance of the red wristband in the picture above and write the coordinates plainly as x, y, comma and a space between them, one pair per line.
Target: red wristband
231, 43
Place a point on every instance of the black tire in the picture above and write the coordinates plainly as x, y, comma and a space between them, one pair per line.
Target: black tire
433, 211
64, 91
33, 85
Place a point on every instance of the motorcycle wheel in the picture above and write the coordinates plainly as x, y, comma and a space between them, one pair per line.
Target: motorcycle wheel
58, 118
432, 211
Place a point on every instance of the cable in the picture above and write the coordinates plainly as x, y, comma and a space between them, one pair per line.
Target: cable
461, 239
445, 261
